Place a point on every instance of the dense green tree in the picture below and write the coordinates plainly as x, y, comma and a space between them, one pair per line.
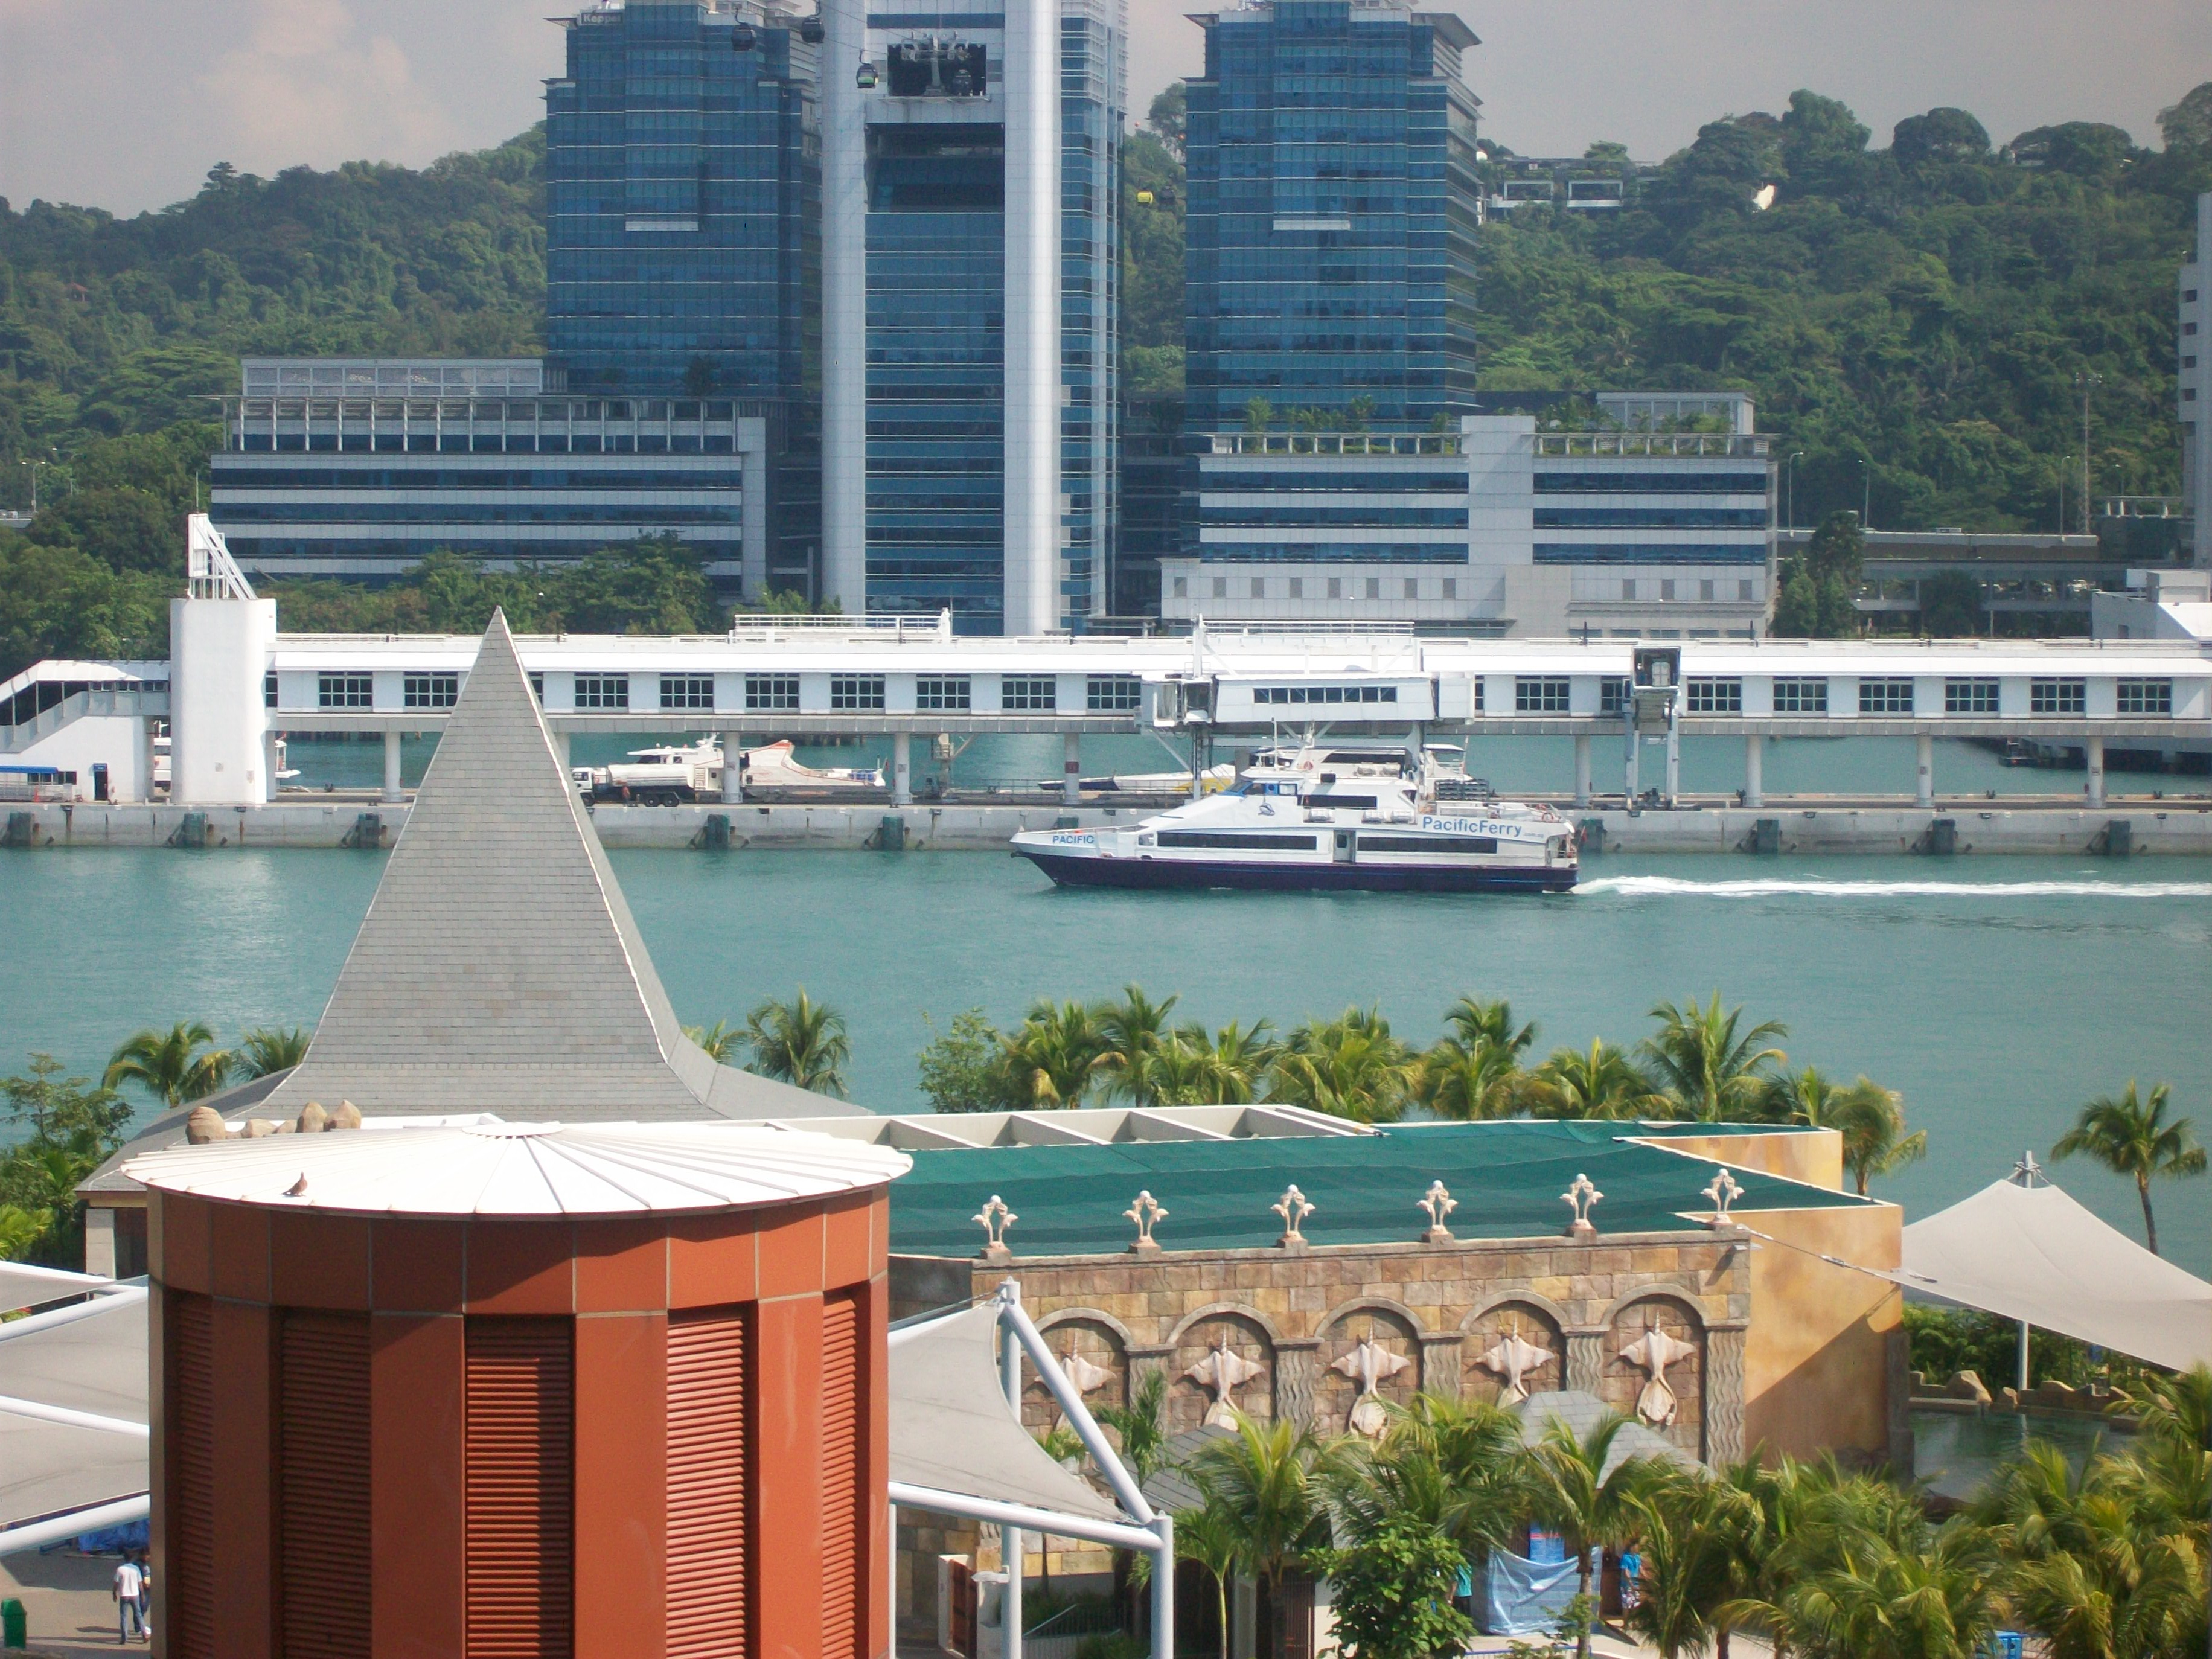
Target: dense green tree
1600, 1082
267, 1050
1392, 1592
802, 1042
1711, 1069
1473, 1071
965, 1067
1349, 1066
62, 1128
1132, 1032
1263, 1477
170, 1065
1052, 1058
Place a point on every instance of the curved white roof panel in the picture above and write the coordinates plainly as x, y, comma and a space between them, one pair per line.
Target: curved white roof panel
524, 1169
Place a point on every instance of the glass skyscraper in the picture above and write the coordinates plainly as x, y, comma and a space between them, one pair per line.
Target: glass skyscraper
683, 188
1331, 222
972, 153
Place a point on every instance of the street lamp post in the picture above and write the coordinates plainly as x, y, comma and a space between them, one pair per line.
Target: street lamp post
1866, 498
2086, 382
1792, 486
2064, 465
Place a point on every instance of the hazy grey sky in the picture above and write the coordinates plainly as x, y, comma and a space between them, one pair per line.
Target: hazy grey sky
125, 104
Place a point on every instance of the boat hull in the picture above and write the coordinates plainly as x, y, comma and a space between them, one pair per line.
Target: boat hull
1154, 874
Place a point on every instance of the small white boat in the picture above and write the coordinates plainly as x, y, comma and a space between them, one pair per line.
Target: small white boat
1324, 818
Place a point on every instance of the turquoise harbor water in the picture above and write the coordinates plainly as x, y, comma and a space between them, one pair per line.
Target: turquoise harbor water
1997, 994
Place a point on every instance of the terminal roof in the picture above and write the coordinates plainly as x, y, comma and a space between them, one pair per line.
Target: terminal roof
499, 969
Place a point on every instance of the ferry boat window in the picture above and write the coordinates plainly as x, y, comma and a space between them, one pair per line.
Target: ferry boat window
687, 690
1970, 696
1717, 697
1613, 694
345, 691
430, 690
1237, 841
1796, 694
1029, 692
2058, 696
942, 692
1113, 694
2146, 697
854, 691
602, 690
1885, 697
771, 692
1539, 694
1373, 843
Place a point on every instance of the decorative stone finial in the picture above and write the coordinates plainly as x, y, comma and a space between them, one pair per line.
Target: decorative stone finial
1722, 1191
1147, 1213
257, 1126
1580, 1196
1294, 1208
347, 1116
314, 1120
203, 1125
994, 1218
1439, 1204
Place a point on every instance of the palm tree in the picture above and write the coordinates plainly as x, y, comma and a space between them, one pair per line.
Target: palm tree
1209, 1535
1691, 1529
1130, 1033
1924, 1597
721, 1040
169, 1064
1262, 1479
1572, 1488
1602, 1082
266, 1051
1473, 1071
801, 1042
1872, 1121
1711, 1071
1351, 1066
1141, 1425
1452, 1465
1236, 1061
1807, 1098
1053, 1056
2132, 1138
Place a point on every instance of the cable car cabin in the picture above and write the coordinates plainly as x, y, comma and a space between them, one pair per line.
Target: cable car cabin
813, 32
744, 38
938, 68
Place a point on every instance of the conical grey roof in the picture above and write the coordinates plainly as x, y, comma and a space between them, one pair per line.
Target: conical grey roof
499, 970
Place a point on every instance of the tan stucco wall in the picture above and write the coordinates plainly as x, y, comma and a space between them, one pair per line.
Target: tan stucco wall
1814, 1156
1817, 1362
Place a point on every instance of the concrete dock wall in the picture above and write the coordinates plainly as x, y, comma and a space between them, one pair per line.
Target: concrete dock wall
1977, 827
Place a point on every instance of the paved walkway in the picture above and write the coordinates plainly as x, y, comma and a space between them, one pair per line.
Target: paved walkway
67, 1597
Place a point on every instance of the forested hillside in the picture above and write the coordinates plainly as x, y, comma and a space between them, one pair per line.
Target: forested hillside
1921, 307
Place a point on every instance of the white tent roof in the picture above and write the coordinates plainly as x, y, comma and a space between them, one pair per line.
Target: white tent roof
23, 1285
524, 1168
72, 1410
953, 1431
2032, 1253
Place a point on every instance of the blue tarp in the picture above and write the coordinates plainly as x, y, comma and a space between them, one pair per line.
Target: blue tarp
1523, 1597
130, 1535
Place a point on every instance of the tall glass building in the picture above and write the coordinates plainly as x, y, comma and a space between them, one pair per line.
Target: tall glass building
683, 192
1331, 224
970, 248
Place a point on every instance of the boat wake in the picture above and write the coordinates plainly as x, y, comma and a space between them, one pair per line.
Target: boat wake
1761, 887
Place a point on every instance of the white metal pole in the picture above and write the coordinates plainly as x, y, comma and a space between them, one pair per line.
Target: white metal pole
1163, 1589
1582, 771
1010, 1550
2096, 758
392, 766
1071, 786
1754, 761
1924, 784
901, 769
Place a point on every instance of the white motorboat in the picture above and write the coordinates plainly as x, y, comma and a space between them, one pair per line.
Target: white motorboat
1322, 818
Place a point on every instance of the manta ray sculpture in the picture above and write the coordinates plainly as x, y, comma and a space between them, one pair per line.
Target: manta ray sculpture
1224, 1370
1368, 1365
1652, 1353
1512, 1357
1087, 1377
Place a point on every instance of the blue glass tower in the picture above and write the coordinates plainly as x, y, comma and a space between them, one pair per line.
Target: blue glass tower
683, 188
1331, 224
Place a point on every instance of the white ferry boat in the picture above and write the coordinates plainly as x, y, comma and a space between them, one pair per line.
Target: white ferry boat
1321, 818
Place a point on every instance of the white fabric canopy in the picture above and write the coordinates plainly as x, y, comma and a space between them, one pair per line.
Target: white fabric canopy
22, 1285
72, 1412
953, 1431
2033, 1254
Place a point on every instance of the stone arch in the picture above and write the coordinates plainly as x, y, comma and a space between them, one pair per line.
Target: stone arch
1390, 1327
1382, 1305
1622, 1381
1543, 1304
1250, 1315
1536, 1321
1247, 1336
1098, 1338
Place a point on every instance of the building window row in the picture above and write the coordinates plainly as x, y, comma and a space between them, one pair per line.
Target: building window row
1714, 697
430, 690
2058, 696
2146, 697
1282, 695
1800, 695
771, 693
1536, 694
345, 692
602, 690
947, 693
1885, 697
856, 692
1114, 694
1970, 696
687, 690
1029, 693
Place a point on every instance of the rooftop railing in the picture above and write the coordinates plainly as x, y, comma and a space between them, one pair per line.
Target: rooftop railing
1652, 443
1334, 443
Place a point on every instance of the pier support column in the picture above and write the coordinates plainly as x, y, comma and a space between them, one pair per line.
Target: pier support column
1581, 771
1674, 763
1631, 754
1754, 762
2096, 757
1071, 767
733, 767
392, 766
901, 769
1924, 788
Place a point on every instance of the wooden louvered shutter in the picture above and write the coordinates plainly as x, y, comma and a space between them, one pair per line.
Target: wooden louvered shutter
519, 1544
843, 1456
322, 1557
188, 1420
709, 1486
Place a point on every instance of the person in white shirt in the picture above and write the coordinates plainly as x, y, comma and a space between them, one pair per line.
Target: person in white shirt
129, 1584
